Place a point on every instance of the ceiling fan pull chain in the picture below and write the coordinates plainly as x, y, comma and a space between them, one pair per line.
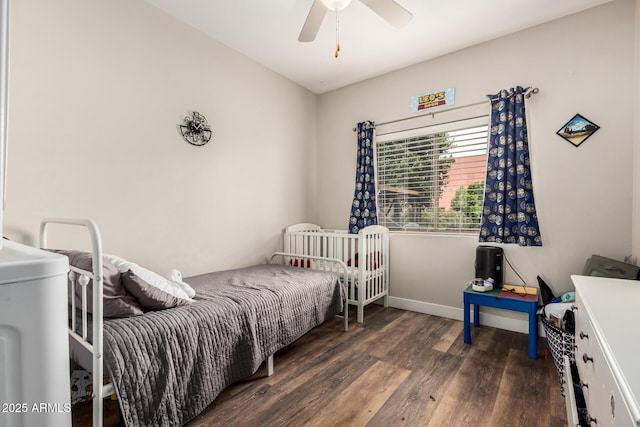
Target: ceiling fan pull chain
337, 34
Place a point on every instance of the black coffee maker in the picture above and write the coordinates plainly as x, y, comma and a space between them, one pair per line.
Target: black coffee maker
489, 264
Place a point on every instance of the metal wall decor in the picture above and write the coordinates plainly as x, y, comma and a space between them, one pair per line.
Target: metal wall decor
577, 130
196, 131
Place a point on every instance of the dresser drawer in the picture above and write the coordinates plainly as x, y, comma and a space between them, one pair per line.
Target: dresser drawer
584, 342
569, 395
603, 397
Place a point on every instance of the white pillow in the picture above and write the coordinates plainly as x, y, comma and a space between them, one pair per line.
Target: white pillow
176, 289
175, 276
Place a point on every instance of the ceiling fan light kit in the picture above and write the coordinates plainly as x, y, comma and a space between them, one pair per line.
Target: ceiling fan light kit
388, 10
336, 5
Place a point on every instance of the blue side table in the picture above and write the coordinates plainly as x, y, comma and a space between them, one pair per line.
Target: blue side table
496, 299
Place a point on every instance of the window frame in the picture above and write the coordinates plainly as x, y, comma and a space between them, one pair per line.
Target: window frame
470, 121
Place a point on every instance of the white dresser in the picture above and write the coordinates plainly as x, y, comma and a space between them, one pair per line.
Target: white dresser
607, 313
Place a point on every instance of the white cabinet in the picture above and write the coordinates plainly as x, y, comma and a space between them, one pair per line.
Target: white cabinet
34, 342
607, 349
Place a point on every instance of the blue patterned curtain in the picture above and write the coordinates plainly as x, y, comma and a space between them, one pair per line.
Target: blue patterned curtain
509, 212
363, 208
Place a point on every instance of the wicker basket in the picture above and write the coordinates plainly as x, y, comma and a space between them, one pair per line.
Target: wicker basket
560, 343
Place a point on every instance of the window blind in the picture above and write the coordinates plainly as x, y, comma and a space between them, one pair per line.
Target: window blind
432, 178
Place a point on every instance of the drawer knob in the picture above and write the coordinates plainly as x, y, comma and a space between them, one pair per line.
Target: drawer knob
586, 358
574, 307
589, 419
583, 384
583, 335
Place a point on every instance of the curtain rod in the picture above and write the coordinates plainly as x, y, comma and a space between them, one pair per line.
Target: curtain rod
527, 94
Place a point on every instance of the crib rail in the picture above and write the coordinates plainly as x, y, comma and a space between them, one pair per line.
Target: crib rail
365, 254
373, 243
79, 277
332, 265
322, 243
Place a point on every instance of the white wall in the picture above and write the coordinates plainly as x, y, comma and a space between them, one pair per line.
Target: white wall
97, 89
583, 64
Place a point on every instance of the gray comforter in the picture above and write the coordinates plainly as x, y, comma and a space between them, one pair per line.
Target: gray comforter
168, 366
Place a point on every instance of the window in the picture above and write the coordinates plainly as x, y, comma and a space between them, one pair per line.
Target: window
432, 178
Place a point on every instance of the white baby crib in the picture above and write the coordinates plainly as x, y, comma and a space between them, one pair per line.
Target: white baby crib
366, 255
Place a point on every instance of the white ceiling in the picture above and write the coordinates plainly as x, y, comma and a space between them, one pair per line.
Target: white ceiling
267, 31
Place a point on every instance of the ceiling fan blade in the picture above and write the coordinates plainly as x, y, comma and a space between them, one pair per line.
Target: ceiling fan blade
313, 22
390, 11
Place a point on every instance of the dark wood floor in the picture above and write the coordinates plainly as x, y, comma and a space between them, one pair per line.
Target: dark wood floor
399, 368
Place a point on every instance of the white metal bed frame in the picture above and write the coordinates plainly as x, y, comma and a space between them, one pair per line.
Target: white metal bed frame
79, 277
82, 277
369, 281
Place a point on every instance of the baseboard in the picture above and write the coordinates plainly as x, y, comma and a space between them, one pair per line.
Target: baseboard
493, 320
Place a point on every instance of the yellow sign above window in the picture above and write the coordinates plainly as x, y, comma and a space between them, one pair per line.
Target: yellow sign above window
433, 100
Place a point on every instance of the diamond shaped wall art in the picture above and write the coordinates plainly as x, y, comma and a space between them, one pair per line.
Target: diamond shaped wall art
577, 130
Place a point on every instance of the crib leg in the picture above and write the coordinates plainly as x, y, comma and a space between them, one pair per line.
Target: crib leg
270, 365
360, 318
385, 300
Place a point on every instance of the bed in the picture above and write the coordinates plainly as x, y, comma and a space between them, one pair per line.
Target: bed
167, 365
365, 254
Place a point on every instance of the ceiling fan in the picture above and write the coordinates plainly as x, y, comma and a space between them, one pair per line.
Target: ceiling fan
388, 10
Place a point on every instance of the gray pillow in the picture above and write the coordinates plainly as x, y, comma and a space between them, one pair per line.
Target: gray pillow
150, 297
117, 302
